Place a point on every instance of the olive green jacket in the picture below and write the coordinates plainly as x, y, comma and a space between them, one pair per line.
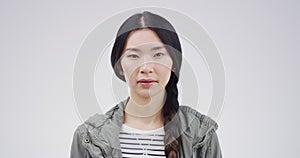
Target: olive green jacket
98, 137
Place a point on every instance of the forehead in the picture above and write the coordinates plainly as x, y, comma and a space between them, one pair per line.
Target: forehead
142, 37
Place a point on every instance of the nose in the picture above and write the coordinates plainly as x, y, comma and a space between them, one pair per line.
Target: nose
146, 68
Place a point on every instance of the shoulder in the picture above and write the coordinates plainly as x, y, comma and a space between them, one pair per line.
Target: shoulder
193, 115
93, 128
83, 144
195, 124
94, 122
98, 121
111, 117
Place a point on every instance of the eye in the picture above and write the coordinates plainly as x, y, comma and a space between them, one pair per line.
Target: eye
132, 56
159, 54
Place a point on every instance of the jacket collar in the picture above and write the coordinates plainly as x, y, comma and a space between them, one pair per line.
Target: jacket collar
104, 129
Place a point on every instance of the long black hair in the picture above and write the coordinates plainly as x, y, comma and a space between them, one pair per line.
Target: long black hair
169, 37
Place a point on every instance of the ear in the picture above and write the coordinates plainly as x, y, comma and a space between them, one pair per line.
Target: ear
173, 69
121, 72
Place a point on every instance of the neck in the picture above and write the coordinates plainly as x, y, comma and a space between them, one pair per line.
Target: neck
145, 113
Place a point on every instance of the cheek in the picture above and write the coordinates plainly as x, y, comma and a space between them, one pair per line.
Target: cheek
128, 68
164, 72
166, 64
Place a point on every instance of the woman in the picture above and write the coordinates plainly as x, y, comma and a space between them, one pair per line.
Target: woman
149, 123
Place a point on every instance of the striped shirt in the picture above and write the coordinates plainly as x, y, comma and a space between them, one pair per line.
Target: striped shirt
140, 143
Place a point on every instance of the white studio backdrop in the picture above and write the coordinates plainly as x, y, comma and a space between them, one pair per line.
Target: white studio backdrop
257, 41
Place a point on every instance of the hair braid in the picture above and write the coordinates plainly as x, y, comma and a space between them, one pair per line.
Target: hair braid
171, 139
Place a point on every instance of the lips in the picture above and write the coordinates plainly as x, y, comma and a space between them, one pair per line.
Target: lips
146, 83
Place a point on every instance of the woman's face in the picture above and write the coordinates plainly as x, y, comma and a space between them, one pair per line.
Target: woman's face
146, 63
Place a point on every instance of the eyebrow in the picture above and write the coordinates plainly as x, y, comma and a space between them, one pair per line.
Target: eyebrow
138, 50
132, 49
157, 47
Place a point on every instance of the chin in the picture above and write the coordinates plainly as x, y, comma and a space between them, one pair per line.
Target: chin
150, 92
